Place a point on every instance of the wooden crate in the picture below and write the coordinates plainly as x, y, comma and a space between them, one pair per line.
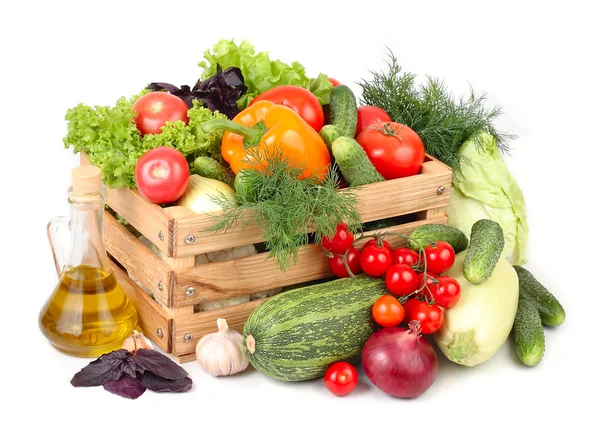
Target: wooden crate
173, 288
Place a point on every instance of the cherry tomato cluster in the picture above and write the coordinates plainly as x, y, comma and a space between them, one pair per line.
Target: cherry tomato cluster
418, 289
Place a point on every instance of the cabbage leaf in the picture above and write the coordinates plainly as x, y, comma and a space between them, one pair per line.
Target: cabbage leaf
483, 188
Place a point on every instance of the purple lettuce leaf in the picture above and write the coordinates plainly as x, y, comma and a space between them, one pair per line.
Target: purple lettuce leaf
158, 364
126, 387
108, 367
159, 384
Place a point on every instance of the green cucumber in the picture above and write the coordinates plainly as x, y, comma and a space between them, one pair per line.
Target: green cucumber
551, 311
207, 167
528, 333
484, 251
428, 233
343, 112
354, 163
298, 334
330, 133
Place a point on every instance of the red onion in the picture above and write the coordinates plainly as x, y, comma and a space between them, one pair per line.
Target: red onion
399, 361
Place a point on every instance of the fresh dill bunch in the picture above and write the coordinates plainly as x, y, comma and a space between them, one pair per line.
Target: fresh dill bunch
285, 207
443, 121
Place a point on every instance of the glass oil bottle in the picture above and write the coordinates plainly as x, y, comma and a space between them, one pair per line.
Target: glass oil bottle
88, 314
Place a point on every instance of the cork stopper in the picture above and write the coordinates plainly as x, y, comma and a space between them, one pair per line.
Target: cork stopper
86, 179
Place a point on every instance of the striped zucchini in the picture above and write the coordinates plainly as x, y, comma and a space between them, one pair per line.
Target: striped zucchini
298, 334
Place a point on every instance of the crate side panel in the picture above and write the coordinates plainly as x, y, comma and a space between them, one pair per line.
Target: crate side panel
139, 260
153, 321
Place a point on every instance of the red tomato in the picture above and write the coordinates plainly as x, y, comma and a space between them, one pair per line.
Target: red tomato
404, 255
440, 257
387, 311
446, 293
430, 282
341, 378
334, 82
375, 260
369, 115
373, 242
339, 268
162, 174
300, 100
155, 109
431, 317
394, 149
401, 280
341, 241
409, 305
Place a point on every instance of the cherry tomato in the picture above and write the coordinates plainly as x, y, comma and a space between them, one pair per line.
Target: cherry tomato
446, 293
301, 100
162, 174
404, 255
337, 263
394, 149
430, 283
387, 311
401, 280
408, 306
431, 317
368, 115
334, 82
341, 378
375, 260
155, 109
440, 257
341, 241
373, 242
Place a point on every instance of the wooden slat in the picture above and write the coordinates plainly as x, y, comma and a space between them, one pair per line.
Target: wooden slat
152, 319
139, 260
242, 276
146, 217
201, 323
378, 201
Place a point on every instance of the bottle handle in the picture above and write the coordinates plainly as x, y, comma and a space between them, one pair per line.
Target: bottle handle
55, 226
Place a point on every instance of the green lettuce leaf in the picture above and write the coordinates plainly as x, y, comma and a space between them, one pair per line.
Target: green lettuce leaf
112, 142
260, 72
483, 188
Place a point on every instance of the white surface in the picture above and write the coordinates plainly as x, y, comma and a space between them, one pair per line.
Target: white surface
538, 61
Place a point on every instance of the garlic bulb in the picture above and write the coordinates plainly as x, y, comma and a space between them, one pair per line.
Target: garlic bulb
222, 353
137, 341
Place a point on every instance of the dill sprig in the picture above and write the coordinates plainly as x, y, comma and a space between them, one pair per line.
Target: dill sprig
443, 121
287, 208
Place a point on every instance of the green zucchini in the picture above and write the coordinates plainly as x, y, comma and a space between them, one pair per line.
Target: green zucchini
354, 163
428, 233
551, 311
298, 334
343, 112
483, 253
528, 333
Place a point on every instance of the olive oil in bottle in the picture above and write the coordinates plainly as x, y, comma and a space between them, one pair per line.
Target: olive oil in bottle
88, 314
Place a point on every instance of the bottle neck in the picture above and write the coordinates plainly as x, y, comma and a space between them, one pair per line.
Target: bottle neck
87, 231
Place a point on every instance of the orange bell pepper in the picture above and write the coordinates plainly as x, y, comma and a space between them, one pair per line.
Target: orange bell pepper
271, 128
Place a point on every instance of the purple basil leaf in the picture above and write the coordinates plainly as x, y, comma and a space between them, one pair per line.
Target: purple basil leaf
159, 384
163, 86
221, 91
126, 387
159, 364
108, 367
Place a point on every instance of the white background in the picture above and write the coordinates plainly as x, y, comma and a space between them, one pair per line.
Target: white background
539, 61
